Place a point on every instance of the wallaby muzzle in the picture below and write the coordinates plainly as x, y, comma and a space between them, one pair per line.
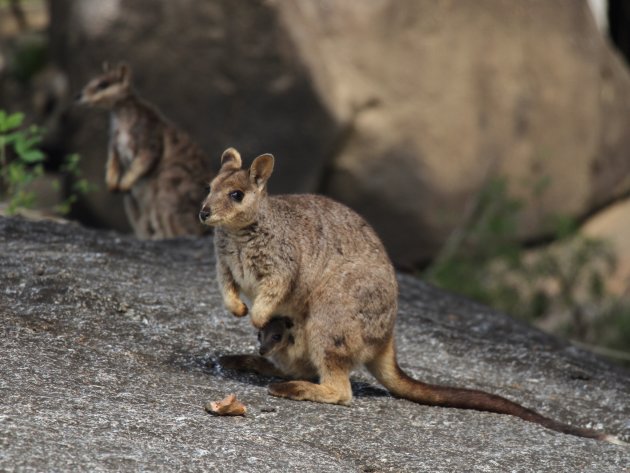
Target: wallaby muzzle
203, 215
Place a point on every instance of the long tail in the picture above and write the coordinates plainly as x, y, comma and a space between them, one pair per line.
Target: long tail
386, 370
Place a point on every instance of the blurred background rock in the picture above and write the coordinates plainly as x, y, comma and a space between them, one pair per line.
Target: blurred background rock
487, 142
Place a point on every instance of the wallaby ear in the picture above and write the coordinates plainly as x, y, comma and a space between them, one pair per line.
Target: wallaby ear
124, 73
231, 159
261, 169
105, 66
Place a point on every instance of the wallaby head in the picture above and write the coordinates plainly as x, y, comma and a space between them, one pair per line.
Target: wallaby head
275, 335
108, 88
236, 194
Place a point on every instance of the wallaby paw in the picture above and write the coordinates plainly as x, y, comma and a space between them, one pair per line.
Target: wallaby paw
307, 391
237, 308
259, 323
112, 186
124, 186
290, 390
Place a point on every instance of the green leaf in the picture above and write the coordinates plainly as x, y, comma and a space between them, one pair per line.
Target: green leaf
10, 122
32, 156
82, 186
63, 208
10, 138
38, 170
25, 143
564, 226
71, 163
14, 120
16, 173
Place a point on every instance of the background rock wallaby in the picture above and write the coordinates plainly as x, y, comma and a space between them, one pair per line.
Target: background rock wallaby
161, 170
320, 264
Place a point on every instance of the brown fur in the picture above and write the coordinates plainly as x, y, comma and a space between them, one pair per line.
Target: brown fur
321, 265
160, 169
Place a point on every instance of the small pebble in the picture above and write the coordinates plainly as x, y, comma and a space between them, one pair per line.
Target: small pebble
122, 308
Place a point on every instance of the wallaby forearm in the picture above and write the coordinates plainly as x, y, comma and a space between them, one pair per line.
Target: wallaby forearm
230, 291
140, 166
269, 298
112, 170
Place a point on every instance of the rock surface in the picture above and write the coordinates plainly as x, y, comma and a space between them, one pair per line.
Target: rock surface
109, 349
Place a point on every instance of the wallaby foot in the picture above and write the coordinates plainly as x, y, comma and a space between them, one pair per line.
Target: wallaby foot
307, 391
250, 364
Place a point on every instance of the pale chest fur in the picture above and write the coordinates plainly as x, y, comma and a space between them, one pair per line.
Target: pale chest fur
245, 273
248, 260
122, 141
246, 278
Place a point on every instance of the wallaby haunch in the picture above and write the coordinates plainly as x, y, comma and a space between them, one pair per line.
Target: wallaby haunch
321, 265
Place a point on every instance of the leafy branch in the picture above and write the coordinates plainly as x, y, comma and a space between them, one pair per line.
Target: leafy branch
22, 162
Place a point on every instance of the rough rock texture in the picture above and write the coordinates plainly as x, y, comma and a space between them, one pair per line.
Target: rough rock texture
402, 109
109, 349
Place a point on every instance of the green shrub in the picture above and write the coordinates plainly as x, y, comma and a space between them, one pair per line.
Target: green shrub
484, 261
22, 162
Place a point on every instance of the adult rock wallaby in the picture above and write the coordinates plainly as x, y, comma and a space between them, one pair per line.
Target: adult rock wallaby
321, 265
162, 172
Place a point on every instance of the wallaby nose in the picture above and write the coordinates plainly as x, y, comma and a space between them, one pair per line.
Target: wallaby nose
203, 215
78, 97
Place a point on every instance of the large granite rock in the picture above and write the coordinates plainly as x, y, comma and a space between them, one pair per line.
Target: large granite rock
109, 349
403, 109
443, 97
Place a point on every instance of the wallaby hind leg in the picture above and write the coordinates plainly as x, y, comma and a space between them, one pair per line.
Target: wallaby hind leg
330, 352
251, 364
334, 388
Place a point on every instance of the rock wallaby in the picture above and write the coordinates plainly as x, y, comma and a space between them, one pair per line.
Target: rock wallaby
321, 265
162, 172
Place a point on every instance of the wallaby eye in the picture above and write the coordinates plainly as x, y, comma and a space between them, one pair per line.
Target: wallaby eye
237, 196
277, 337
208, 189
